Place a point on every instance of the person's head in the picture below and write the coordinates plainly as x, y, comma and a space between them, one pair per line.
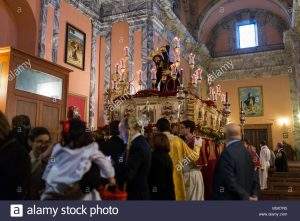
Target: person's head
188, 127
176, 129
161, 142
279, 146
163, 125
114, 128
246, 143
124, 129
78, 135
133, 125
39, 140
233, 131
263, 143
4, 127
21, 125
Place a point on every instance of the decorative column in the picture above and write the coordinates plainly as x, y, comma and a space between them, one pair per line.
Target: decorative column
106, 33
131, 75
149, 27
147, 47
55, 36
42, 27
292, 45
107, 58
135, 24
92, 97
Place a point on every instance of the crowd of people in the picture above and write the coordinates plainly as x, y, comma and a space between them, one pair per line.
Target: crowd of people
171, 164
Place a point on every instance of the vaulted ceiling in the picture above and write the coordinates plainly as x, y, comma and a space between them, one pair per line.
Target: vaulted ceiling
200, 16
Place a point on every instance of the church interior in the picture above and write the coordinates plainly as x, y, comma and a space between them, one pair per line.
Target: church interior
210, 61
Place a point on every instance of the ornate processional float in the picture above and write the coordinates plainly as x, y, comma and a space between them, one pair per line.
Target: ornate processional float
170, 94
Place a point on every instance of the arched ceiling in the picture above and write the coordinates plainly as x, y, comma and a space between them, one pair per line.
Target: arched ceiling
205, 14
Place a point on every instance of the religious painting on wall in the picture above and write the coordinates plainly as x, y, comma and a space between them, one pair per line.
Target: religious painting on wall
251, 98
75, 47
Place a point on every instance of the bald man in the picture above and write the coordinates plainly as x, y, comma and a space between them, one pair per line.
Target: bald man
234, 177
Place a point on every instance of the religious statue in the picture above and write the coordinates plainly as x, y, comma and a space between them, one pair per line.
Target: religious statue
167, 74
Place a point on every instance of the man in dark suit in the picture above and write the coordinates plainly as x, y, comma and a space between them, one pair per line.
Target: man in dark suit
138, 164
235, 177
115, 147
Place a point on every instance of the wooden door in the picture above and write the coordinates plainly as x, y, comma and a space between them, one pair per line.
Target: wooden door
257, 133
50, 118
29, 107
42, 109
255, 136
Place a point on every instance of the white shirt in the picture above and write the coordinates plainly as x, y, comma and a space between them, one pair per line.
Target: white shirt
265, 157
67, 166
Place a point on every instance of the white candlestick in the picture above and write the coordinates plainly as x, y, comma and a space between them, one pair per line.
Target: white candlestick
126, 51
192, 59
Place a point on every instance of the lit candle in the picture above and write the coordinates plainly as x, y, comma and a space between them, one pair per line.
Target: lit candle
139, 72
210, 90
126, 51
176, 41
181, 75
223, 98
122, 63
199, 73
214, 96
117, 68
209, 79
192, 59
218, 89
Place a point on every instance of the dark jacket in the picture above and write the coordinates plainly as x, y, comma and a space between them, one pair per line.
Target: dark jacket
235, 178
116, 148
281, 161
37, 184
14, 170
138, 167
161, 176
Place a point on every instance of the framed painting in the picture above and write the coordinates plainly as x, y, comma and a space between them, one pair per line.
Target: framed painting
75, 47
252, 100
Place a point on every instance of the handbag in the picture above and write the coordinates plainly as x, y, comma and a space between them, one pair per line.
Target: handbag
112, 192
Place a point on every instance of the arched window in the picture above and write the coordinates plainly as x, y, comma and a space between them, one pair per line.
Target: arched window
246, 33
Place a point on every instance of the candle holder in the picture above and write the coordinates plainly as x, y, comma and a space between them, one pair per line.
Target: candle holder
120, 78
181, 99
242, 119
192, 60
226, 111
